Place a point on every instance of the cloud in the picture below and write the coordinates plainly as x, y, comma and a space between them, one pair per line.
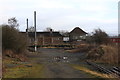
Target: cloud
62, 14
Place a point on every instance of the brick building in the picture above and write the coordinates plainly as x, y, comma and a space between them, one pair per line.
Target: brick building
77, 35
45, 38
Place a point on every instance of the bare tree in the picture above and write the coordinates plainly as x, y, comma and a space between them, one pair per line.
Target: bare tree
31, 29
64, 32
48, 29
100, 37
13, 22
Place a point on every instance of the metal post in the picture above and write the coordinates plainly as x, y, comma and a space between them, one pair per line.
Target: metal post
35, 30
27, 24
28, 42
27, 27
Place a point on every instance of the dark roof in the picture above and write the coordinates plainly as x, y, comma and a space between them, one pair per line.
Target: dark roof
77, 30
47, 34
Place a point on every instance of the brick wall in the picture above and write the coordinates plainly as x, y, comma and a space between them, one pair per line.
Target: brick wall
50, 40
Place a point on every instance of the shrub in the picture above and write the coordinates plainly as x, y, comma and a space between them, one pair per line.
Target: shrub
98, 37
104, 53
111, 54
95, 53
13, 40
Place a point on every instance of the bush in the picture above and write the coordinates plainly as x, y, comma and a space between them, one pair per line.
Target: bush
111, 54
95, 53
104, 53
13, 40
98, 37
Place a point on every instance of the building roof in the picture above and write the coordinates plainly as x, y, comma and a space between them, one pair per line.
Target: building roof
47, 34
78, 30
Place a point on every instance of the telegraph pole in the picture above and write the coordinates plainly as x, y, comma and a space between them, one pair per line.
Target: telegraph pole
35, 31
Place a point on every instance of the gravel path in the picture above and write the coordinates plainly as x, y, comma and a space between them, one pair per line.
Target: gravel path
57, 63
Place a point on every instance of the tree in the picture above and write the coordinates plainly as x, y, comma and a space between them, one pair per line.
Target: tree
31, 29
48, 29
13, 22
100, 37
64, 33
13, 40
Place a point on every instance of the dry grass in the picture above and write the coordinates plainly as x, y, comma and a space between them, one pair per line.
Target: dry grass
110, 54
104, 53
21, 69
80, 48
90, 71
11, 54
96, 74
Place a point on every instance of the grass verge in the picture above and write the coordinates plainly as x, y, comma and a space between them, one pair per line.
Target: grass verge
96, 74
18, 69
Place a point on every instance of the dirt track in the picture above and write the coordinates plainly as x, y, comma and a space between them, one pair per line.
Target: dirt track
58, 67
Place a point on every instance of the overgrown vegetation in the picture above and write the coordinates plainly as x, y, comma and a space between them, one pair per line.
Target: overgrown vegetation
104, 53
103, 50
99, 48
98, 37
12, 39
110, 54
91, 72
17, 69
95, 53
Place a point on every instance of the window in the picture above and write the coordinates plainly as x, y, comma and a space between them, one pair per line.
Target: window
56, 38
81, 36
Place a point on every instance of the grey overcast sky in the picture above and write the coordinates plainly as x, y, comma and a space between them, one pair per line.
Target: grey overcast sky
63, 14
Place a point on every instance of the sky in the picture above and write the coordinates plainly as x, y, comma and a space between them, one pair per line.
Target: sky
63, 14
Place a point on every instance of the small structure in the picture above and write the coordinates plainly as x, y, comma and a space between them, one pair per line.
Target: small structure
115, 40
77, 35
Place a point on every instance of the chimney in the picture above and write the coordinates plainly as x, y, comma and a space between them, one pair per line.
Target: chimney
51, 31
